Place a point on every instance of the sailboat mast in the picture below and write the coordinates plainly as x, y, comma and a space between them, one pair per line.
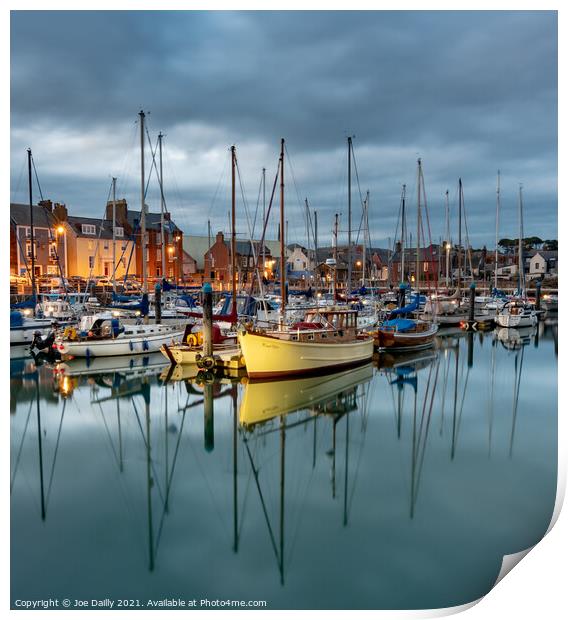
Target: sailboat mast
418, 225
233, 233
335, 256
282, 254
365, 236
162, 210
522, 291
403, 232
31, 224
459, 231
114, 234
316, 249
264, 215
349, 266
497, 224
143, 206
447, 239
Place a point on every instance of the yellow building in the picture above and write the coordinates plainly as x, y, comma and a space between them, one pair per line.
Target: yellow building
90, 248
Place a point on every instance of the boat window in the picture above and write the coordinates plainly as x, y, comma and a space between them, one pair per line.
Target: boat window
294, 337
310, 337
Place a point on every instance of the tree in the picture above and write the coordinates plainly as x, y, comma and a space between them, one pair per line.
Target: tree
550, 244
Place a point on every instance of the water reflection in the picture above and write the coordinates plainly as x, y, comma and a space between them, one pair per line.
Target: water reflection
196, 465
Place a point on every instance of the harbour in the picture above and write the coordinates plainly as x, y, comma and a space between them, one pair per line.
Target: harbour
284, 308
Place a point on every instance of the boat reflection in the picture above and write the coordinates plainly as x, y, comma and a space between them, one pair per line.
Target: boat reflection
264, 400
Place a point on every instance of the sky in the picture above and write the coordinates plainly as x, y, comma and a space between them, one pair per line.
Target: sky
470, 93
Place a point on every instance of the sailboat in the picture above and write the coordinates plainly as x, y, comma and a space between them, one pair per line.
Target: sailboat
189, 349
326, 339
104, 334
518, 312
405, 334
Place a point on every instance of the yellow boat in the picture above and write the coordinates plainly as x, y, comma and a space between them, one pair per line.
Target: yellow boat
326, 340
264, 400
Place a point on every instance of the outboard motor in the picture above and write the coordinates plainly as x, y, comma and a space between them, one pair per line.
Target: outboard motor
42, 344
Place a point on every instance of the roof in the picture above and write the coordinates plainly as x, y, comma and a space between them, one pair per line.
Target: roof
153, 222
76, 224
244, 248
20, 215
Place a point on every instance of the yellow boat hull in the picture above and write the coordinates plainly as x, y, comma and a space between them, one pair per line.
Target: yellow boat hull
269, 357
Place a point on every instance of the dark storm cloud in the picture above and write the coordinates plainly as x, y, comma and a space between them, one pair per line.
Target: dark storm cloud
469, 91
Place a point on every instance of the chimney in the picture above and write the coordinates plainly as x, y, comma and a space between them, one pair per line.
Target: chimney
47, 204
121, 211
60, 212
220, 238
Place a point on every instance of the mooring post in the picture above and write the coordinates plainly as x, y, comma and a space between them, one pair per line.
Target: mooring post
472, 302
537, 302
208, 420
207, 320
158, 303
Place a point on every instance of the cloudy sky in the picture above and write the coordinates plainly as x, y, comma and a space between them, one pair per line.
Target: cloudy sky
468, 92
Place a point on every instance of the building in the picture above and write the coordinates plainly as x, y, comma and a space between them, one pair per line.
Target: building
431, 259
217, 262
50, 242
130, 221
79, 246
543, 263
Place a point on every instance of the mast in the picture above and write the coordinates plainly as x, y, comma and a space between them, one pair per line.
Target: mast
403, 232
114, 234
497, 225
459, 231
162, 209
418, 226
335, 256
349, 266
316, 248
143, 206
264, 215
208, 275
31, 224
282, 256
447, 239
233, 234
366, 216
522, 292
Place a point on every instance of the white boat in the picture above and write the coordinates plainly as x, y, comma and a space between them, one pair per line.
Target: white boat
103, 334
516, 314
23, 329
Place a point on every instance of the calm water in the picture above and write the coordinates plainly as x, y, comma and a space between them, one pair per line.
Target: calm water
397, 485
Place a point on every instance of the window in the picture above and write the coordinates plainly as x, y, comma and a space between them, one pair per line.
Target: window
88, 229
52, 270
105, 245
158, 254
244, 261
158, 238
28, 249
536, 265
91, 262
90, 245
172, 272
118, 231
53, 251
425, 267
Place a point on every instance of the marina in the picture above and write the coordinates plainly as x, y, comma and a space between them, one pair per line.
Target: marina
284, 307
